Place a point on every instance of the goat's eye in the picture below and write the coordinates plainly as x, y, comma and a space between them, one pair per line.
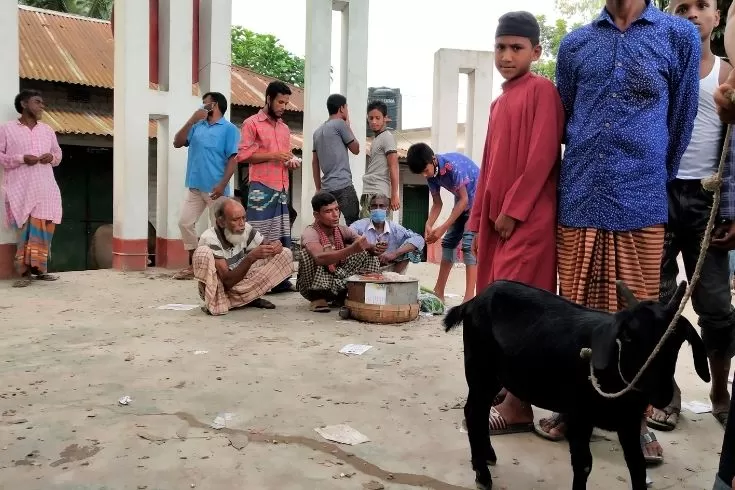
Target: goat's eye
625, 337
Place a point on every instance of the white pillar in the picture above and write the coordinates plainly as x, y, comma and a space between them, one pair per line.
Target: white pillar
9, 77
448, 64
354, 80
316, 90
130, 153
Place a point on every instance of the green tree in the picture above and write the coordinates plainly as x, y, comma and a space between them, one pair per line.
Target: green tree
100, 9
551, 36
586, 10
264, 54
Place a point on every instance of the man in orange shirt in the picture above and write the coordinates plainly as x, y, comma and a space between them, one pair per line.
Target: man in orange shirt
265, 145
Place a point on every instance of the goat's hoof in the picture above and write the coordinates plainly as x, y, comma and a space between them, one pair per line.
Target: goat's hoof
483, 480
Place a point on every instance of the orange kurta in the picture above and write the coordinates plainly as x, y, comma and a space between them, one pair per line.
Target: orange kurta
518, 178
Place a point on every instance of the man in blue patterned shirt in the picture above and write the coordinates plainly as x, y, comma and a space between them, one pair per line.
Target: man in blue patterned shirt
629, 83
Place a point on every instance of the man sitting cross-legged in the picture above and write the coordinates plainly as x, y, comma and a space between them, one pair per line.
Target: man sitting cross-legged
403, 245
234, 266
330, 254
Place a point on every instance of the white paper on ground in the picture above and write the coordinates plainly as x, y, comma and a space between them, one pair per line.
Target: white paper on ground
200, 352
177, 307
375, 294
355, 349
220, 421
451, 295
342, 433
697, 407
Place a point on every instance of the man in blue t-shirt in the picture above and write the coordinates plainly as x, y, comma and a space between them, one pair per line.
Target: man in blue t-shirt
212, 141
458, 174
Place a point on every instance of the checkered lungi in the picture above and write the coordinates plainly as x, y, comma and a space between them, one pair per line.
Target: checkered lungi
262, 276
317, 282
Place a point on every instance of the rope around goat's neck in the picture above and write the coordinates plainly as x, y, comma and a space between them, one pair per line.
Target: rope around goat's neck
712, 184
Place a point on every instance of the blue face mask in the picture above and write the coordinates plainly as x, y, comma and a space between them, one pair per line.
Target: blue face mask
378, 215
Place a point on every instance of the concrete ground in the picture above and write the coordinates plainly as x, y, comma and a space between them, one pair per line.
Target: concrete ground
72, 348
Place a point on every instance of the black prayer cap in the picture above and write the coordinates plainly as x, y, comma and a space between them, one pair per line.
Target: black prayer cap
521, 24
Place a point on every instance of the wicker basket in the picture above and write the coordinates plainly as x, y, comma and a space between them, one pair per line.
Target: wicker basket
382, 313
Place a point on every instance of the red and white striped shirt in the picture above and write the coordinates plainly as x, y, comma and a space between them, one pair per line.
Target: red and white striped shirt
30, 190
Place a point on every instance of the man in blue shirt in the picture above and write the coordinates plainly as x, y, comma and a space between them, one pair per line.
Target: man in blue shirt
629, 83
457, 174
212, 141
403, 245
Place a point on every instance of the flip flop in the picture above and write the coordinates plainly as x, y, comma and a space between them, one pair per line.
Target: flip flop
184, 275
721, 418
22, 283
647, 439
666, 425
46, 277
499, 427
319, 306
539, 430
261, 303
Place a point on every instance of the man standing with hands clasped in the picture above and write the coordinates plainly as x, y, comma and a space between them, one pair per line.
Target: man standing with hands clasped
212, 142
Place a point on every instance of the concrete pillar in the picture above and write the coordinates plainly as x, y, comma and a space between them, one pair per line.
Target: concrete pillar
130, 153
171, 106
316, 90
9, 77
353, 81
448, 64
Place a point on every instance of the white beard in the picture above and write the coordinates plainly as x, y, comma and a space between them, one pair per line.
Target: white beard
234, 238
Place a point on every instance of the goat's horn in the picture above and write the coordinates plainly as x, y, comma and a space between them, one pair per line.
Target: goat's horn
678, 295
626, 294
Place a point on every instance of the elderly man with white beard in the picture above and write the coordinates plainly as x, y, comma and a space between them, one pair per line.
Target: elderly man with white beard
233, 264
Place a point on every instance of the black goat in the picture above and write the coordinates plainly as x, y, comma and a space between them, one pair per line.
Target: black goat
529, 341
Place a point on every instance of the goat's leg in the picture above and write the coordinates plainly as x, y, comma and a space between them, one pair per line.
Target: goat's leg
629, 436
483, 386
578, 435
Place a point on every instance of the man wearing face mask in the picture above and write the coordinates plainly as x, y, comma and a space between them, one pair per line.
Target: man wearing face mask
212, 142
235, 265
402, 245
265, 145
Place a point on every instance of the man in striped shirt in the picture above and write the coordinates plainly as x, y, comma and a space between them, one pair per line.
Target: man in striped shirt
235, 266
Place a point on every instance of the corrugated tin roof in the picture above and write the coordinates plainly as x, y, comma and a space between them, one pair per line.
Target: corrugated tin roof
85, 122
65, 48
90, 122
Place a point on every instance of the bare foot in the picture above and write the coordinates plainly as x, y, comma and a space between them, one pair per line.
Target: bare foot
552, 428
515, 411
652, 450
720, 406
667, 418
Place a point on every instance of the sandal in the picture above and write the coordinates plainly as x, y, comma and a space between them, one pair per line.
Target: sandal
184, 275
556, 421
668, 423
647, 439
319, 306
498, 425
261, 303
46, 277
23, 282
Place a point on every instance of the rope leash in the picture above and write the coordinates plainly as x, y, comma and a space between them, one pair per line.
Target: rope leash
711, 184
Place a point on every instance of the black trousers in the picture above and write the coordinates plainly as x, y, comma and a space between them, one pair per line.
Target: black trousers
348, 203
726, 472
689, 209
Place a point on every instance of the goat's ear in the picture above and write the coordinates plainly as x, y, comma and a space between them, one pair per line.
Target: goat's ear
678, 296
603, 343
701, 365
625, 293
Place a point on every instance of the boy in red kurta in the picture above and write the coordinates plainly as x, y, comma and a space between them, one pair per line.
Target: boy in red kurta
514, 216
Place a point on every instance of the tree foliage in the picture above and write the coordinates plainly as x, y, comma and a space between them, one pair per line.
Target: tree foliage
586, 10
551, 36
100, 9
264, 54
